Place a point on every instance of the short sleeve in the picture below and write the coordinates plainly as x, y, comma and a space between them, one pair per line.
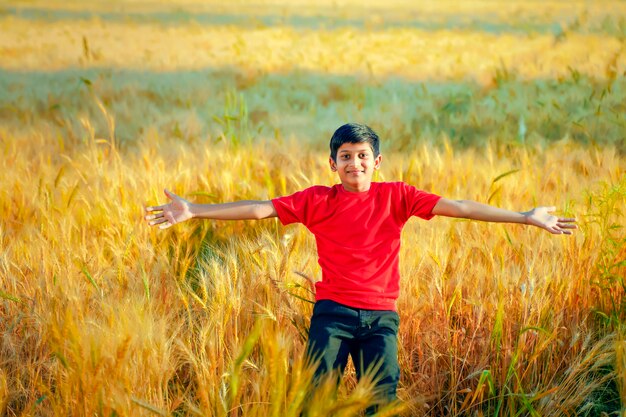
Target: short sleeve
419, 203
293, 208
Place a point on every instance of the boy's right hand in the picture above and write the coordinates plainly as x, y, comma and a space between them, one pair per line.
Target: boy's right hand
167, 215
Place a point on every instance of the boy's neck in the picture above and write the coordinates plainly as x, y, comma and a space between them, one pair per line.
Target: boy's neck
362, 188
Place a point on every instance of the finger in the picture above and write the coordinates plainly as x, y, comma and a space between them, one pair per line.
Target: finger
567, 219
564, 230
553, 230
165, 225
567, 226
157, 221
156, 208
154, 216
169, 194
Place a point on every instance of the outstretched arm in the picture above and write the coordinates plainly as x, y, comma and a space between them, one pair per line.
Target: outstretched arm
179, 210
539, 216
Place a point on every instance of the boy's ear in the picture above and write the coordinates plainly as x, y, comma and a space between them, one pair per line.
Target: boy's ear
333, 164
378, 161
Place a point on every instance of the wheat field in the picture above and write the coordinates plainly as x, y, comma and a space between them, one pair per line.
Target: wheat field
104, 104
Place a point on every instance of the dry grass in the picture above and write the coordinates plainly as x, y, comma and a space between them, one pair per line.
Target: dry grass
101, 315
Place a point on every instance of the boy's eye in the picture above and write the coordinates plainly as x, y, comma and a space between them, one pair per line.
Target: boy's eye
363, 155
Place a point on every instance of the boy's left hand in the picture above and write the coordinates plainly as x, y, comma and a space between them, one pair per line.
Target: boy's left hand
541, 217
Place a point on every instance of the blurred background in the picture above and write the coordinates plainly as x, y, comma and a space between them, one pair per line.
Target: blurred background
416, 72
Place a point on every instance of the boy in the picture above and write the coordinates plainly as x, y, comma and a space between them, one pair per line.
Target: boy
357, 226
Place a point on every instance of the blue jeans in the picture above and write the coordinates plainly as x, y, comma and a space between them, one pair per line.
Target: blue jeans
370, 337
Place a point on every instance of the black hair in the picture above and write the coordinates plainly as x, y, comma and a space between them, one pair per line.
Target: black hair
354, 133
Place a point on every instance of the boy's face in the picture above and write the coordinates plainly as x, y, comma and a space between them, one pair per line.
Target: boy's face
355, 165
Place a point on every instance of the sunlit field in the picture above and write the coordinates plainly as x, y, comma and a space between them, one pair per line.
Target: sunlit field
104, 104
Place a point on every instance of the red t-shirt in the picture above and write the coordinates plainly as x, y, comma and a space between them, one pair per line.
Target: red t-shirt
358, 237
